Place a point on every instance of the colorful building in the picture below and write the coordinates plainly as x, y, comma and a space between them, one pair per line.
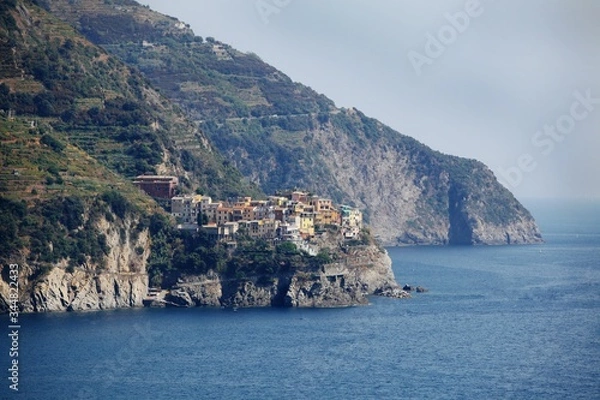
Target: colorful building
307, 225
351, 221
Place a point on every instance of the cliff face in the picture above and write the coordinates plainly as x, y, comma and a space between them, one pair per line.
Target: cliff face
125, 284
120, 280
411, 194
80, 291
366, 270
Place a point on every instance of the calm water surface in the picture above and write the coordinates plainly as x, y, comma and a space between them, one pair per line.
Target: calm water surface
498, 323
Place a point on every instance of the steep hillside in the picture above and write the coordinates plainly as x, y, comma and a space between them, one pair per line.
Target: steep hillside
77, 230
92, 100
283, 134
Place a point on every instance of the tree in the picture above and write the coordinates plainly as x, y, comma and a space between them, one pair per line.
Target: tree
287, 248
202, 219
323, 257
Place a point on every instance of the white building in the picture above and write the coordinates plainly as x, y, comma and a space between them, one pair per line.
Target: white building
351, 222
187, 208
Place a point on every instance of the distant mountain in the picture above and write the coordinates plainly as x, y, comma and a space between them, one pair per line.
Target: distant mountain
283, 134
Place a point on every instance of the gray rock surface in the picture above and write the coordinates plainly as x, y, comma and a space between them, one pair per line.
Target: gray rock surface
122, 283
365, 270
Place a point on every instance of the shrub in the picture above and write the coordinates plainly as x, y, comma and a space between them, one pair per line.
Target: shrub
53, 143
117, 203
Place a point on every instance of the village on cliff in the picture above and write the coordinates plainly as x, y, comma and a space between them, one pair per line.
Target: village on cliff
294, 216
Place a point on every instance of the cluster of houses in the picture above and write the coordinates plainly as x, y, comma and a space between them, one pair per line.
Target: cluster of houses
293, 216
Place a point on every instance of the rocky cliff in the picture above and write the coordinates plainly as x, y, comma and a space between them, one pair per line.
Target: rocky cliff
365, 270
414, 195
124, 284
118, 280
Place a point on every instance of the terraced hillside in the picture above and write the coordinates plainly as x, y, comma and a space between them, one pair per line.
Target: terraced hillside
94, 101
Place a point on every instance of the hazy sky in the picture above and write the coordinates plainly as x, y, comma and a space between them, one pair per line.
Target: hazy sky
512, 83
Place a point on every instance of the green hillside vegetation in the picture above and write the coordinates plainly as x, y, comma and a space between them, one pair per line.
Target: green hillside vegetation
51, 196
76, 125
36, 165
92, 100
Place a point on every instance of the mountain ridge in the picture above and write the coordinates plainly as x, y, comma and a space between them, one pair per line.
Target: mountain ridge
283, 134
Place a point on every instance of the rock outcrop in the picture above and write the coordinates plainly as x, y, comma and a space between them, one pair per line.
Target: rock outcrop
80, 291
364, 271
203, 290
120, 282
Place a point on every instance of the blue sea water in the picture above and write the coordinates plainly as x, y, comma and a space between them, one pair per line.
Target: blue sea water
507, 322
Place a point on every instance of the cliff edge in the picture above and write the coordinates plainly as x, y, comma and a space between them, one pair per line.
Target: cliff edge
364, 271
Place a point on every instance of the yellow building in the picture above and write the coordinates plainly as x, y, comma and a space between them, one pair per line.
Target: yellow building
307, 225
327, 217
243, 202
278, 201
326, 214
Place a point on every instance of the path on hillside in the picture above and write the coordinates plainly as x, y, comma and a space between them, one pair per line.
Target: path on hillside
274, 116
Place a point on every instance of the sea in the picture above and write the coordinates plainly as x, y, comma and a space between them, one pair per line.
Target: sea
498, 322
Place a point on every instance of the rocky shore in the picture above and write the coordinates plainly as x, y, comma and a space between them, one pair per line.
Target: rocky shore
361, 272
365, 271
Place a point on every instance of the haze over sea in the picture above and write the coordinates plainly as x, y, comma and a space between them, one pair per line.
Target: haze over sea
509, 322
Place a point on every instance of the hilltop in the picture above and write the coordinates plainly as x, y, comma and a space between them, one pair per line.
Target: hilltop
280, 133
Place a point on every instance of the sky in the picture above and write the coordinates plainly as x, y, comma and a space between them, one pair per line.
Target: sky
512, 83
